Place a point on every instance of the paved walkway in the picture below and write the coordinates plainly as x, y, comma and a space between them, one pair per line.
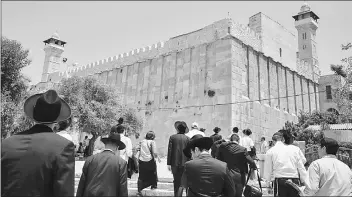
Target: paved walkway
165, 186
163, 172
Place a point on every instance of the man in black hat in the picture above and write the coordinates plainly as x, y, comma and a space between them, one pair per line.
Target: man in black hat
204, 175
105, 174
215, 137
175, 157
38, 162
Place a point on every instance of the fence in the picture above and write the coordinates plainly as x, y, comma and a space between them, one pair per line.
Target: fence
343, 154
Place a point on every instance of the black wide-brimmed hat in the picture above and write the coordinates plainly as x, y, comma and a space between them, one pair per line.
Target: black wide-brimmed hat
47, 107
216, 129
115, 138
179, 125
197, 141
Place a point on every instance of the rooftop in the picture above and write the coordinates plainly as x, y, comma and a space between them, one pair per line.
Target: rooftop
346, 126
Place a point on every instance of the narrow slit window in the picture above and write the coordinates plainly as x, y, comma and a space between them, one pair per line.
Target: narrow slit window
328, 92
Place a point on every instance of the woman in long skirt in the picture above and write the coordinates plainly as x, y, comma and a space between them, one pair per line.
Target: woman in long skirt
147, 164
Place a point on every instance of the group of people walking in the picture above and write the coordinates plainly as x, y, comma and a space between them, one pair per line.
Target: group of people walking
209, 166
212, 166
39, 162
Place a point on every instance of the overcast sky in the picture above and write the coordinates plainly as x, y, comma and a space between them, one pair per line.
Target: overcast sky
96, 30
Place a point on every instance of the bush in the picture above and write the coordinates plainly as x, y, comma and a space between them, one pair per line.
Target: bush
310, 137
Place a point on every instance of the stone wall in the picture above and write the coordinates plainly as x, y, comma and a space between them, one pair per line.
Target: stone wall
335, 82
274, 37
216, 76
274, 98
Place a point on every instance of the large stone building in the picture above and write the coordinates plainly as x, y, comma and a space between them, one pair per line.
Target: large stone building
328, 85
255, 76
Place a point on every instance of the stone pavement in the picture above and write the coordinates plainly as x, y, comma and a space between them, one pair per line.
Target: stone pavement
165, 185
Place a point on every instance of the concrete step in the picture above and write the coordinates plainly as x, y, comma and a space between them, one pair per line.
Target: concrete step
161, 185
133, 184
135, 177
154, 192
162, 192
164, 189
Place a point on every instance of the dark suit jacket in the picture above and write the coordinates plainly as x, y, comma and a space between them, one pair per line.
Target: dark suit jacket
209, 176
37, 162
103, 174
175, 156
215, 137
235, 156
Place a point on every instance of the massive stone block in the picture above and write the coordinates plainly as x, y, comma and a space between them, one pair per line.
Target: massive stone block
216, 76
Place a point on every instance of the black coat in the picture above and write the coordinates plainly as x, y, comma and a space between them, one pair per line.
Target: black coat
37, 162
208, 176
103, 174
175, 156
215, 137
236, 157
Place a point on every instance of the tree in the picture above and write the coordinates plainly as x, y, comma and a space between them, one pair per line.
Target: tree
97, 107
324, 119
13, 119
13, 87
343, 95
13, 59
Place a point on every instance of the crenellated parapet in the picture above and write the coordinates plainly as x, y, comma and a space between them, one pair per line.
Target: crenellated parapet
210, 33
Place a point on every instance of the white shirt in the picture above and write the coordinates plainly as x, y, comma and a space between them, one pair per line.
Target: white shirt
194, 132
284, 161
127, 152
146, 149
329, 176
300, 153
108, 149
99, 146
65, 135
86, 142
247, 142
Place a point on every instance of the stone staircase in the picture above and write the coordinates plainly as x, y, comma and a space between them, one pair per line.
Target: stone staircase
165, 185
165, 188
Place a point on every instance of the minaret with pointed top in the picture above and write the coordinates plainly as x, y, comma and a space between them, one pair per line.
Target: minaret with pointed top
53, 48
306, 23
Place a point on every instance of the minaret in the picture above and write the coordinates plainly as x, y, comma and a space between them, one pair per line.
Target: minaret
306, 23
53, 48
